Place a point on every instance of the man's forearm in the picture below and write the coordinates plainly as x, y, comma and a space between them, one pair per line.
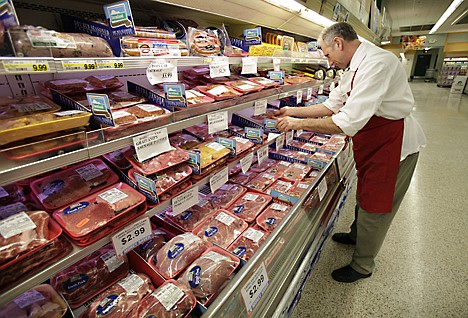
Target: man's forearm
311, 111
322, 125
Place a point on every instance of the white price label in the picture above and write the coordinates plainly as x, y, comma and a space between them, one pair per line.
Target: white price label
250, 197
79, 65
69, 113
289, 136
131, 283
162, 71
262, 154
276, 65
35, 66
217, 122
16, 224
169, 295
260, 107
151, 144
252, 234
320, 90
111, 261
89, 172
218, 179
279, 142
254, 288
185, 200
249, 65
299, 132
309, 93
113, 195
246, 162
299, 96
132, 236
110, 64
322, 189
279, 207
225, 218
219, 66
332, 86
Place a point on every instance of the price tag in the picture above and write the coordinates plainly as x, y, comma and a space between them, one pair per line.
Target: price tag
217, 122
260, 107
218, 179
276, 65
299, 132
332, 86
151, 144
262, 154
185, 201
110, 64
162, 70
249, 65
320, 90
79, 65
299, 96
289, 136
254, 288
26, 66
322, 189
132, 236
246, 162
16, 224
309, 93
219, 67
279, 142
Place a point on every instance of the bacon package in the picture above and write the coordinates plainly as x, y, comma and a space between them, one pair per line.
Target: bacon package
226, 195
248, 243
172, 299
91, 275
121, 299
296, 172
219, 92
177, 254
62, 188
158, 163
250, 205
193, 216
222, 228
272, 216
261, 182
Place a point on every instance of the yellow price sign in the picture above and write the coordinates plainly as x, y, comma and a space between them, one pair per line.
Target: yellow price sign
79, 65
110, 64
40, 67
26, 66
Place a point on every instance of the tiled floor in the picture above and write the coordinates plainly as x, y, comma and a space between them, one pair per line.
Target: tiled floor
422, 269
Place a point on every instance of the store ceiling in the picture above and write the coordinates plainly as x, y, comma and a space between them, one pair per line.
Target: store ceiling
418, 16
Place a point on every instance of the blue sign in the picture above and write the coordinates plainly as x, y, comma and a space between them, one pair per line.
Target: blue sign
146, 185
175, 95
120, 19
253, 36
276, 76
101, 109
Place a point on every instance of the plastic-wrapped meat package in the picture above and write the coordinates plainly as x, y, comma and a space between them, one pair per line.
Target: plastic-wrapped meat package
282, 186
184, 141
266, 82
319, 140
158, 163
235, 170
211, 152
122, 99
20, 106
206, 275
193, 216
242, 145
200, 130
147, 249
306, 135
121, 299
146, 110
195, 98
272, 216
266, 164
296, 143
219, 92
177, 254
89, 276
104, 81
222, 228
309, 146
299, 189
93, 212
17, 207
261, 182
243, 178
329, 149
337, 140
250, 205
171, 300
297, 79
122, 117
245, 86
22, 232
296, 172
11, 193
40, 301
279, 168
62, 188
176, 190
117, 158
226, 195
248, 243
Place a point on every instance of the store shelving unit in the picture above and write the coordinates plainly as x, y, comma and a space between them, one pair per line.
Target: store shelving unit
452, 67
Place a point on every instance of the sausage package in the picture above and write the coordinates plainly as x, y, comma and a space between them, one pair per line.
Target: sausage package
250, 205
248, 243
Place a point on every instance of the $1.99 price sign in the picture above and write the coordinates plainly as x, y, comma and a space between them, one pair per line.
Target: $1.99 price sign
254, 288
132, 236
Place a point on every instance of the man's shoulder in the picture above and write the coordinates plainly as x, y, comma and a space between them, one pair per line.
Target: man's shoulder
379, 57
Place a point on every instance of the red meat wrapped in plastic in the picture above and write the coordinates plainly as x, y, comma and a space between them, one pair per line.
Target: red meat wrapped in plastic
245, 86
11, 193
121, 299
226, 195
272, 216
222, 228
265, 165
193, 216
248, 243
296, 172
184, 141
117, 158
158, 163
219, 92
243, 178
242, 145
175, 190
250, 205
195, 98
266, 82
261, 182
281, 186
278, 169
91, 275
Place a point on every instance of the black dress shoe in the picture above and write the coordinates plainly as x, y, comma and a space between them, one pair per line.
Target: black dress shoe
343, 238
348, 275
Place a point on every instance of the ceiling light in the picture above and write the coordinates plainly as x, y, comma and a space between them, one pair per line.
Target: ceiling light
301, 10
316, 18
460, 17
385, 42
289, 5
446, 15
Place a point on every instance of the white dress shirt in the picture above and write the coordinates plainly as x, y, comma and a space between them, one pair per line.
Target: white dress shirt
380, 88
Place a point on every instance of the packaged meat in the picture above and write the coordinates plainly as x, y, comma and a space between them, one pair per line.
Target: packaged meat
243, 178
207, 274
261, 182
319, 160
242, 145
121, 299
306, 135
66, 186
296, 172
104, 81
184, 141
159, 163
245, 86
298, 190
122, 117
319, 140
147, 249
122, 99
146, 110
177, 254
203, 42
265, 165
219, 92
281, 186
68, 86
13, 208
117, 158
88, 85
291, 155
266, 82
88, 215
40, 301
151, 32
28, 41
211, 152
222, 228
137, 46
250, 205
193, 216
226, 195
272, 216
172, 300
279, 168
235, 170
176, 190
248, 243
21, 106
195, 98
11, 193
91, 275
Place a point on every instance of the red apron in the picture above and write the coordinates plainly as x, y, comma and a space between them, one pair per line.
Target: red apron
377, 149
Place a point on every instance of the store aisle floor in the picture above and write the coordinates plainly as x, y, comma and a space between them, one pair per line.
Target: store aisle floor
422, 269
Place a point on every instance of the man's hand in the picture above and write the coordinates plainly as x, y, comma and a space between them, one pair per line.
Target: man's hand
283, 112
288, 123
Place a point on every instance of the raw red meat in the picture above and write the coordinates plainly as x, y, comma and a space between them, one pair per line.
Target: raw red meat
118, 158
11, 193
222, 228
226, 194
121, 299
279, 168
248, 243
27, 240
272, 216
150, 247
299, 189
244, 178
296, 172
176, 190
281, 186
92, 274
179, 252
158, 163
242, 144
266, 164
245, 86
190, 218
261, 182
172, 300
184, 141
250, 205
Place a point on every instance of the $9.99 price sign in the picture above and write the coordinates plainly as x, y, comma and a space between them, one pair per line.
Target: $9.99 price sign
132, 236
254, 288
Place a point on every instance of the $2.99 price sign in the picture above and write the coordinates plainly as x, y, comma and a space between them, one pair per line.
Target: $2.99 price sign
254, 288
132, 236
